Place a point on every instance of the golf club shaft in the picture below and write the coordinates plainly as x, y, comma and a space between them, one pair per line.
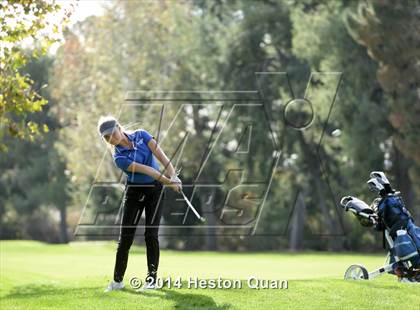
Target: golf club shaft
191, 206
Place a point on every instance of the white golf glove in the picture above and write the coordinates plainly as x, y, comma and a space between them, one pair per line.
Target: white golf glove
176, 179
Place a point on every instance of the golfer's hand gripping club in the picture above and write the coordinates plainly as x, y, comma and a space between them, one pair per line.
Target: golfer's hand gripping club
176, 180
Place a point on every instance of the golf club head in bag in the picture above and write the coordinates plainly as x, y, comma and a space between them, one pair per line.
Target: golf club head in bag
375, 186
381, 178
355, 204
363, 212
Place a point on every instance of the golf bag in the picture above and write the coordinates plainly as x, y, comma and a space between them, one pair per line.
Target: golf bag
388, 214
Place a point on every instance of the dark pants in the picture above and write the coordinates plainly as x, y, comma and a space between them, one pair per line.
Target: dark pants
136, 198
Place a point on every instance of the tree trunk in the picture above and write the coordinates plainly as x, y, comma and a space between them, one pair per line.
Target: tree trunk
297, 223
403, 182
63, 225
207, 206
314, 170
207, 199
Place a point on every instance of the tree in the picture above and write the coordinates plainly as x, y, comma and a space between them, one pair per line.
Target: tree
144, 49
322, 39
389, 31
35, 187
24, 22
265, 44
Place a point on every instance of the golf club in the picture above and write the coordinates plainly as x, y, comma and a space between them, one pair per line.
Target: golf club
202, 219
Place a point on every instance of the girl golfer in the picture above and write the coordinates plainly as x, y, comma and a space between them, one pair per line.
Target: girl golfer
135, 153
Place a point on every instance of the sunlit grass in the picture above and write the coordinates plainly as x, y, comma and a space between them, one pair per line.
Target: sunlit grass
40, 276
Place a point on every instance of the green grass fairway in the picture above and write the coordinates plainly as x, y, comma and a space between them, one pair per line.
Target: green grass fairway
40, 276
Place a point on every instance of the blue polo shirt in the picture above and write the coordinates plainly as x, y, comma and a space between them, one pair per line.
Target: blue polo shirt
141, 154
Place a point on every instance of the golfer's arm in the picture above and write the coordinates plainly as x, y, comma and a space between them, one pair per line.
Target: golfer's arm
155, 174
161, 156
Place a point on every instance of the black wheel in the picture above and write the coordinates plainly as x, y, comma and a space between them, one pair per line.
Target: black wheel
356, 272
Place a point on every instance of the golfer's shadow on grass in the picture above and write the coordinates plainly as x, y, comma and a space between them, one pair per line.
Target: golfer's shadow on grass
184, 301
45, 290
42, 291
